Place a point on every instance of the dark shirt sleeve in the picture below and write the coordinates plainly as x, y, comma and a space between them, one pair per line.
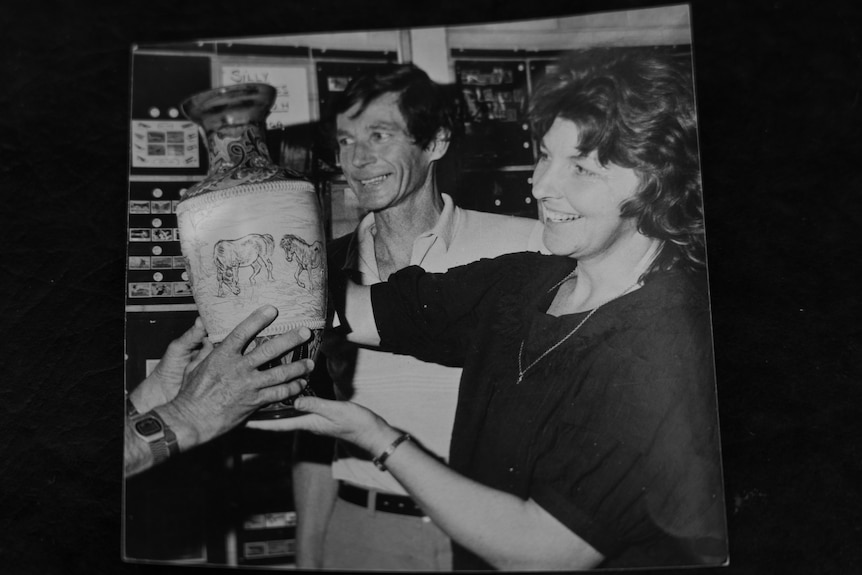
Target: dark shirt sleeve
434, 316
633, 463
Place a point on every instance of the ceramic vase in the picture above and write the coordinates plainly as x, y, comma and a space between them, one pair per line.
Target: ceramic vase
251, 231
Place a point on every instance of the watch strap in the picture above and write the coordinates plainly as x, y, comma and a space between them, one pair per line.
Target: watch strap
160, 451
171, 441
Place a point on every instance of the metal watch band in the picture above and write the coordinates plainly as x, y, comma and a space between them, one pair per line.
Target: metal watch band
162, 445
171, 441
160, 450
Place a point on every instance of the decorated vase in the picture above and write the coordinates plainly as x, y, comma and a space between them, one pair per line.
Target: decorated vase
251, 232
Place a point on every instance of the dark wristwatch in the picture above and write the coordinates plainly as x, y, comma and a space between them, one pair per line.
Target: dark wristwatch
162, 441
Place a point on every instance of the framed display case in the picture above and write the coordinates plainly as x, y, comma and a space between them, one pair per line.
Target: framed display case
494, 113
163, 141
156, 268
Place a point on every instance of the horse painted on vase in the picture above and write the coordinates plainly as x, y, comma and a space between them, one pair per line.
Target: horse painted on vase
253, 250
308, 257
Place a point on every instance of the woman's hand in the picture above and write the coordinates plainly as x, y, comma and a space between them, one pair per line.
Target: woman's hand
347, 421
340, 419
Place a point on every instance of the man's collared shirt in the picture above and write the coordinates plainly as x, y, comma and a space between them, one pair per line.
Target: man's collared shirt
413, 395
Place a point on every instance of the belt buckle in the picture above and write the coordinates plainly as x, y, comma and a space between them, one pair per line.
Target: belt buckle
374, 500
399, 504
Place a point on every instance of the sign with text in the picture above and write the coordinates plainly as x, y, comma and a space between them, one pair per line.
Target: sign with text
291, 83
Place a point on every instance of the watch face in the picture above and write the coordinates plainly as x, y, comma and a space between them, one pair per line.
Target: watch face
148, 426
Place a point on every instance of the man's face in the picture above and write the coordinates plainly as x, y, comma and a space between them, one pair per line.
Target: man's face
378, 156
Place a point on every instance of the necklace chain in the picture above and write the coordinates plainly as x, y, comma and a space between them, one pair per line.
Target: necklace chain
523, 371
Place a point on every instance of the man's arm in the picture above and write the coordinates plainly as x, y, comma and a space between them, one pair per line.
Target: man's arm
220, 390
359, 315
138, 456
163, 384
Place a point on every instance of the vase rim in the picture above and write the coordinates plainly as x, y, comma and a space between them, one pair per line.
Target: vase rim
248, 95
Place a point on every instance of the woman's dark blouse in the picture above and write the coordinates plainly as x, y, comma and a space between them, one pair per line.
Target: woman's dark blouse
614, 433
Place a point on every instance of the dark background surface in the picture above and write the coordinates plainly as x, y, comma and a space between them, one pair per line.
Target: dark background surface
779, 102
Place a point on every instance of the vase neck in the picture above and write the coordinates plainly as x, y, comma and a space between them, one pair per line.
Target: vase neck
237, 146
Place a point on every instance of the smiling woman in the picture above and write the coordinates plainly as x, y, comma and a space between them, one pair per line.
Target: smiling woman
586, 433
636, 113
581, 199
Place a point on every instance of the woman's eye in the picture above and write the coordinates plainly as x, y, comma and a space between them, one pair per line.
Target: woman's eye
582, 171
379, 136
342, 142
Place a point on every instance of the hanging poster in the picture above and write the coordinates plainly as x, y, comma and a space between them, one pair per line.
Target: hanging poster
291, 83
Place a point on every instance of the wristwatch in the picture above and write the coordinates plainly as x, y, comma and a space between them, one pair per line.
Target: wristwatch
162, 441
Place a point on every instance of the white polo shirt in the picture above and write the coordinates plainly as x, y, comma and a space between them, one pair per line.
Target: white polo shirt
413, 395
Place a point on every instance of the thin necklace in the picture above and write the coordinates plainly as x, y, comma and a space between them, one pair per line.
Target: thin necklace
523, 371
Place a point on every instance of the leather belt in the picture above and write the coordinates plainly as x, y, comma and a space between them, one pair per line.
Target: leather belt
400, 504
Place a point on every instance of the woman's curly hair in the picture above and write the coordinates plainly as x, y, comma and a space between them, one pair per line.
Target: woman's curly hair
635, 108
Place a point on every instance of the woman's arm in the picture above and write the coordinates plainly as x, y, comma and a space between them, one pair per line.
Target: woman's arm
506, 531
415, 308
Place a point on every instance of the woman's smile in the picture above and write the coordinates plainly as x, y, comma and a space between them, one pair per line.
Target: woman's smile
555, 217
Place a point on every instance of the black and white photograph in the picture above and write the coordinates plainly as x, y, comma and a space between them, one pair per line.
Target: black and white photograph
163, 234
370, 287
139, 262
141, 234
139, 207
181, 289
138, 290
160, 207
550, 443
162, 262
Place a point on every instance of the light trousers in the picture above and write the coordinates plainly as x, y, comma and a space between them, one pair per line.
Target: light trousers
359, 538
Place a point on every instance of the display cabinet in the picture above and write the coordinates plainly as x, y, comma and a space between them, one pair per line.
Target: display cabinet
498, 152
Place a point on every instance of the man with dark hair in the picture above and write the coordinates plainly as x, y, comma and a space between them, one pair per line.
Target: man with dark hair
392, 129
